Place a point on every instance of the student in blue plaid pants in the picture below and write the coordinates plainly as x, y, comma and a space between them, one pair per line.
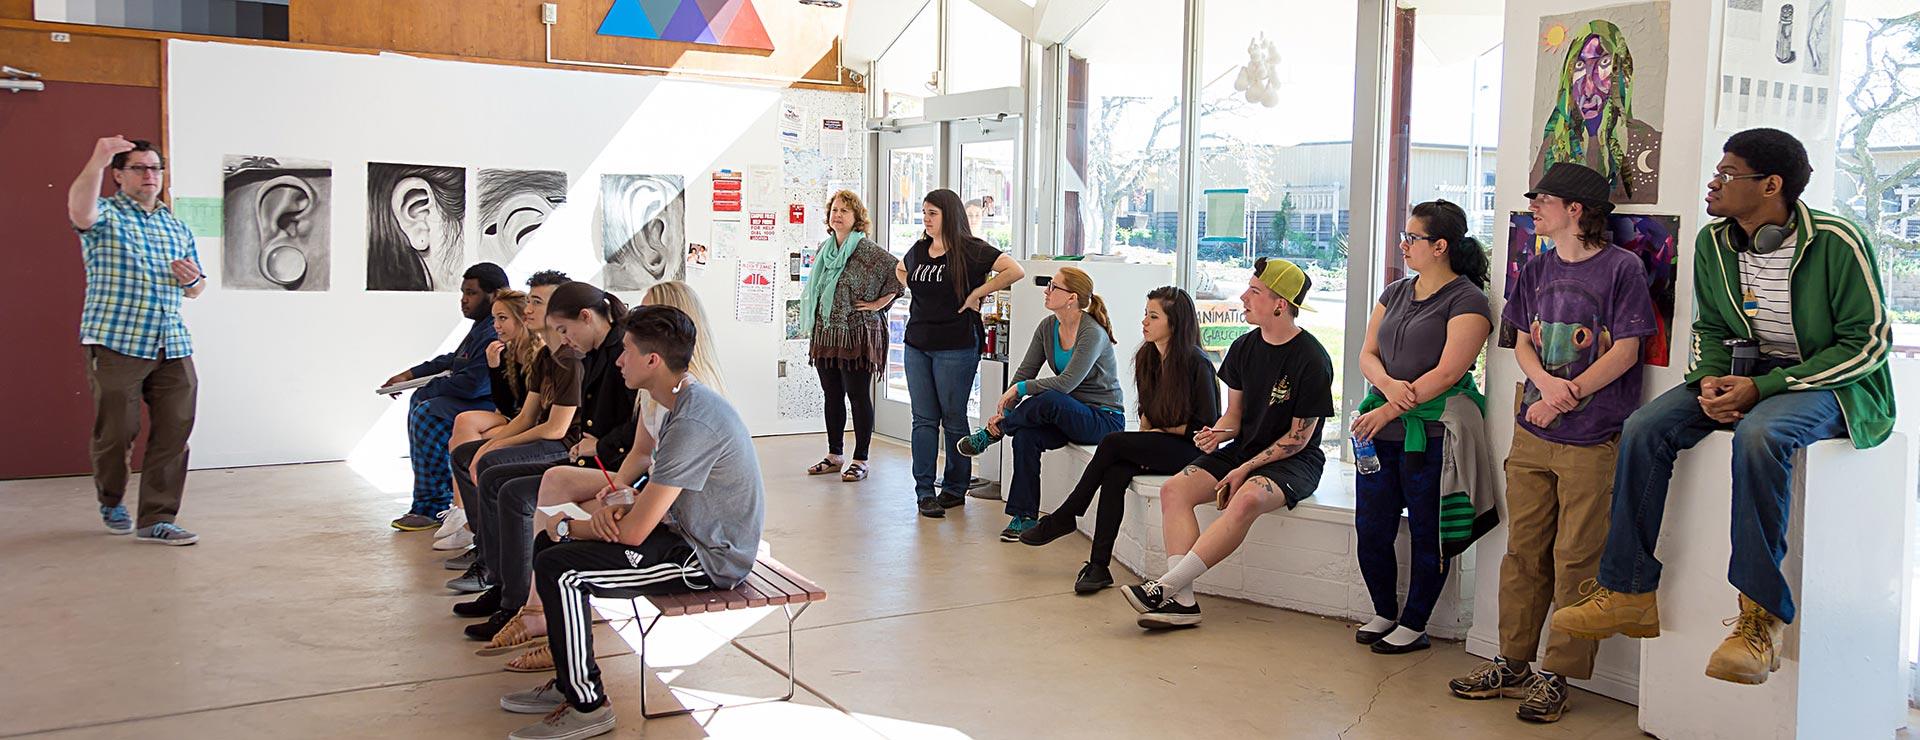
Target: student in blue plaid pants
465, 387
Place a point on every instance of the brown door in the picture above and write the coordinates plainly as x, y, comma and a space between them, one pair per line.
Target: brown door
44, 139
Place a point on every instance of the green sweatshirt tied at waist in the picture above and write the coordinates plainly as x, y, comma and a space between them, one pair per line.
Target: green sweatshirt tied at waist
1428, 411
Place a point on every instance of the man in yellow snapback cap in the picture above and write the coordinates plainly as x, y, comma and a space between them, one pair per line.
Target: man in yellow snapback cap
1263, 453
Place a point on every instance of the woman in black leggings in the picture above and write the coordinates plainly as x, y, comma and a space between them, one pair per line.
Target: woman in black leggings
1178, 395
844, 313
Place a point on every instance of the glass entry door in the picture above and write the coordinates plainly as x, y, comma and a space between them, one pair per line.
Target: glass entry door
909, 169
978, 160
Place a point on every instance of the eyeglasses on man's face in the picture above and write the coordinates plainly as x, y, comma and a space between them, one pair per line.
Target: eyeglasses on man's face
1723, 178
145, 169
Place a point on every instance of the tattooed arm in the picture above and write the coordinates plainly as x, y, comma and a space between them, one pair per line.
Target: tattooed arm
1289, 444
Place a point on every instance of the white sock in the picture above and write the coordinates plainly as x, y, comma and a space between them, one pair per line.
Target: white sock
1180, 575
1401, 636
1377, 624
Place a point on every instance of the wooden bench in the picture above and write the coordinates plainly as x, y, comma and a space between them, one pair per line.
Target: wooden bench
770, 584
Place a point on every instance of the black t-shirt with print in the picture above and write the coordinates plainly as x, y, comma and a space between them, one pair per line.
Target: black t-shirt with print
934, 319
1279, 383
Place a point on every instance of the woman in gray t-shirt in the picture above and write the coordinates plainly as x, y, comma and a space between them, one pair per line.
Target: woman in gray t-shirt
1421, 343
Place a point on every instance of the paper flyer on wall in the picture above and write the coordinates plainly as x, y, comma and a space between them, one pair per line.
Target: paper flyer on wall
834, 138
1777, 67
698, 255
760, 226
792, 125
753, 291
727, 191
727, 236
763, 187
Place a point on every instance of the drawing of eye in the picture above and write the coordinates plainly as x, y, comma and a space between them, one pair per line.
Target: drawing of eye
1582, 337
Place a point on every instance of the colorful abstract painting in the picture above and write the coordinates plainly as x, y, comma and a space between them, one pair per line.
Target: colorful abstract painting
1651, 238
717, 22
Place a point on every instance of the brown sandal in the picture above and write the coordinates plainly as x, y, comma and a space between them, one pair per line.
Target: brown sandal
537, 660
513, 636
825, 466
855, 473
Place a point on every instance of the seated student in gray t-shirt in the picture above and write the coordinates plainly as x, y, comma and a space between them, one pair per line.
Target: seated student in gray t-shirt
694, 526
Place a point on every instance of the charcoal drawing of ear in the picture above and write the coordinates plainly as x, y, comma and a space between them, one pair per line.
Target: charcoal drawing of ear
416, 233
513, 205
643, 230
277, 224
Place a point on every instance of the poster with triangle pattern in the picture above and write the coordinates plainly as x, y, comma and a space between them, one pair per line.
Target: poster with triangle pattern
717, 22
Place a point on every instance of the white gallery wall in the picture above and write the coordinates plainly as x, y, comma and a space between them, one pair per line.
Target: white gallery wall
1691, 149
287, 376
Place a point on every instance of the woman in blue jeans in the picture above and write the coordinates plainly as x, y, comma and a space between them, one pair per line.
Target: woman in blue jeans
1080, 403
1420, 345
946, 274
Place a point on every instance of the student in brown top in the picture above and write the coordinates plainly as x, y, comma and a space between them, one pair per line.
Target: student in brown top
509, 362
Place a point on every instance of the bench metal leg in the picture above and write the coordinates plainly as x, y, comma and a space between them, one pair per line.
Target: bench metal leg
646, 628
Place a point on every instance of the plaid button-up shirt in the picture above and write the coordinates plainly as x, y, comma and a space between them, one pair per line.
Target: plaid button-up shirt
133, 301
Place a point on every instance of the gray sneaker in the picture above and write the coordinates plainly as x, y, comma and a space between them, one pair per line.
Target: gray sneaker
464, 560
473, 581
567, 723
545, 698
166, 533
116, 519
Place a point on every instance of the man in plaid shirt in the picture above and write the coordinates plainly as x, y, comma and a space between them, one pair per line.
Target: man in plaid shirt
141, 261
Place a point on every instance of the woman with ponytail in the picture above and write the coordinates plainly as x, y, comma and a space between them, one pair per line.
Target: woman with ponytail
1419, 352
502, 485
1178, 396
1080, 403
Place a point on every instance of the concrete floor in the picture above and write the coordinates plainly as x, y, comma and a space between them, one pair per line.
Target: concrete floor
302, 615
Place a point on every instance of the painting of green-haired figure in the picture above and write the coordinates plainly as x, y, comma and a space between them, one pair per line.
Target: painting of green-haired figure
1600, 89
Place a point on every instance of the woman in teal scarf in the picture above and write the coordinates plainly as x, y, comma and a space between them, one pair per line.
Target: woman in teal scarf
843, 312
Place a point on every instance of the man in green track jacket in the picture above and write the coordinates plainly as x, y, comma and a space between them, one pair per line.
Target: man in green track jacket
1790, 341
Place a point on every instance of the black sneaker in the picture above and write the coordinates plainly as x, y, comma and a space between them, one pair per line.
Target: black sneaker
1170, 614
950, 500
1145, 597
485, 606
484, 631
1092, 577
1050, 528
931, 508
475, 580
1494, 679
1546, 698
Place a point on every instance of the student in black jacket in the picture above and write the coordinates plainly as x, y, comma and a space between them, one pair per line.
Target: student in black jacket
1173, 380
504, 484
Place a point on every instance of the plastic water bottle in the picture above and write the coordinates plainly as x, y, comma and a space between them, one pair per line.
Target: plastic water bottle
1365, 461
624, 496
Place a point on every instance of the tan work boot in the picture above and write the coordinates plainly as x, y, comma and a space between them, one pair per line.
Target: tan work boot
1604, 613
1752, 651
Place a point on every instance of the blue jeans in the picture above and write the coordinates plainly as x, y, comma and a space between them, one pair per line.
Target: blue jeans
1407, 482
1044, 422
1763, 447
938, 384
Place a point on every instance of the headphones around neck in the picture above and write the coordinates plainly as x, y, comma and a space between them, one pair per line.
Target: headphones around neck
1765, 240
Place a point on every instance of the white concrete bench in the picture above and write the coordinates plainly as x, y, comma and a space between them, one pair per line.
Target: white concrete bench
1300, 559
1843, 673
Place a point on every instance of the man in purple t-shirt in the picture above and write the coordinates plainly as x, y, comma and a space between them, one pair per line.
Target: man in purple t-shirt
1581, 309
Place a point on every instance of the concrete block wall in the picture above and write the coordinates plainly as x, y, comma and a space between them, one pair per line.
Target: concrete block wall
1302, 559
